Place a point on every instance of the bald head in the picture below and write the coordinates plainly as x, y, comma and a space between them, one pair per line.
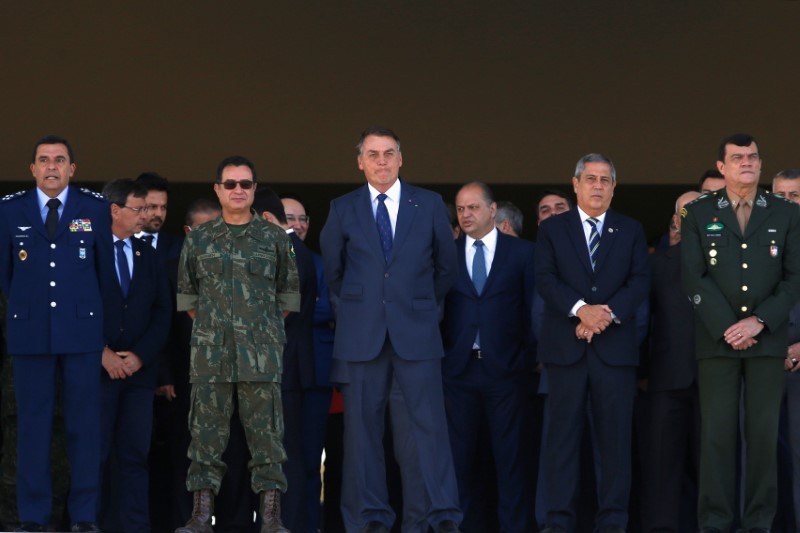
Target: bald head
684, 199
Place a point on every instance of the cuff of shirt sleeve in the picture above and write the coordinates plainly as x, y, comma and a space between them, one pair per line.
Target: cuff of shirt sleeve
288, 301
578, 305
187, 301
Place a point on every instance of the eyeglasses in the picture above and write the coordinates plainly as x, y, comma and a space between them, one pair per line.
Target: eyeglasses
136, 210
303, 219
231, 184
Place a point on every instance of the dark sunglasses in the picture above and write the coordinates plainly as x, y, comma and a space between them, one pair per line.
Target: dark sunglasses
231, 184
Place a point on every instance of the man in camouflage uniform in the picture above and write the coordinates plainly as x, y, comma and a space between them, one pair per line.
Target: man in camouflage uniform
236, 279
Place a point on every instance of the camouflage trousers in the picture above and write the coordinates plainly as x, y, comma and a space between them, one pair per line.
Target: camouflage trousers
261, 413
8, 453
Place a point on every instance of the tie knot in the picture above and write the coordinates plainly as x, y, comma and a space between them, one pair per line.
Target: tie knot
148, 239
53, 203
382, 197
120, 244
592, 221
479, 243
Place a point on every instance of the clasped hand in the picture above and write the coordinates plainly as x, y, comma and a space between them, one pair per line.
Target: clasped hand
594, 319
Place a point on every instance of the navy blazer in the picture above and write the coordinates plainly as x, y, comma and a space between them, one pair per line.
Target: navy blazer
401, 298
671, 364
168, 246
324, 327
54, 303
564, 275
298, 354
502, 312
139, 323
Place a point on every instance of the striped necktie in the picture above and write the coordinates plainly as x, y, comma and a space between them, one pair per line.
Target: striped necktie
594, 241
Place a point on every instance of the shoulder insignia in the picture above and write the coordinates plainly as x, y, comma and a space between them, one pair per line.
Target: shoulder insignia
12, 196
90, 192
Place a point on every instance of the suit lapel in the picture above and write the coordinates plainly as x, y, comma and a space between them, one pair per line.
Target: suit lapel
578, 238
32, 214
725, 213
463, 272
607, 239
759, 213
363, 212
500, 258
405, 217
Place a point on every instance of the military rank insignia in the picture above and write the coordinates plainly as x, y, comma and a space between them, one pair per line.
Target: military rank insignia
80, 224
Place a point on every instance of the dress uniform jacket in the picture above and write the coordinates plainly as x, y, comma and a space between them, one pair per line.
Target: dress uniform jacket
239, 287
730, 276
54, 303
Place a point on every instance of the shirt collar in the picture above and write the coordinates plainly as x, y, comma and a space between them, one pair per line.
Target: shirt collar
489, 241
735, 198
584, 217
393, 193
43, 198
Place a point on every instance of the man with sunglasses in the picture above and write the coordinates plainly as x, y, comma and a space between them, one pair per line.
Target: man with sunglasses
237, 279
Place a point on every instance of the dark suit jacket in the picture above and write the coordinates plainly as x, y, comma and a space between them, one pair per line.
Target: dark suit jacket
298, 354
139, 323
671, 362
401, 298
168, 246
564, 275
54, 303
324, 327
502, 312
723, 290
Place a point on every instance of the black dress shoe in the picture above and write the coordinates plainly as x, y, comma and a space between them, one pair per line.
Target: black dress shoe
447, 526
32, 527
374, 527
85, 527
553, 529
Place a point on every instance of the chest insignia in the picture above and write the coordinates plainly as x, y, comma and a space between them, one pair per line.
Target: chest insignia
80, 224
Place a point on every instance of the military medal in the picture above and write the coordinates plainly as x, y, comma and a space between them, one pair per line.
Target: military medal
82, 253
23, 255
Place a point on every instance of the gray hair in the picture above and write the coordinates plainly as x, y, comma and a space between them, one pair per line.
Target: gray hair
595, 158
508, 211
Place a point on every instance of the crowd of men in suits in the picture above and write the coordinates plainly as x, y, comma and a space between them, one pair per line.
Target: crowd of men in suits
499, 383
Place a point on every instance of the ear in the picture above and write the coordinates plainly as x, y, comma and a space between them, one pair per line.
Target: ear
269, 217
720, 166
575, 182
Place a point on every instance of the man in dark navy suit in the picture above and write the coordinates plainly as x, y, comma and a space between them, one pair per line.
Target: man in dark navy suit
487, 339
390, 259
593, 273
167, 246
298, 368
49, 256
137, 312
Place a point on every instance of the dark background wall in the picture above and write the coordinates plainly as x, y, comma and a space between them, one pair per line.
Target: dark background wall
511, 93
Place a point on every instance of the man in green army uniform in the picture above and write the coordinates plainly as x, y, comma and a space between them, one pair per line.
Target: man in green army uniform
237, 278
741, 269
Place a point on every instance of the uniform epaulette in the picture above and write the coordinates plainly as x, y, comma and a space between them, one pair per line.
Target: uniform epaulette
92, 193
779, 196
12, 196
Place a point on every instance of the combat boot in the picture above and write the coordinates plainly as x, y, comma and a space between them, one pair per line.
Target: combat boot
271, 512
200, 522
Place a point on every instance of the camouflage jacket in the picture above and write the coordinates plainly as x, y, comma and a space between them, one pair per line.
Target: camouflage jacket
239, 287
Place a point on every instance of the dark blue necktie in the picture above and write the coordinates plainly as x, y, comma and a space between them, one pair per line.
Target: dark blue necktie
51, 220
479, 267
148, 240
122, 266
384, 227
478, 276
594, 240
